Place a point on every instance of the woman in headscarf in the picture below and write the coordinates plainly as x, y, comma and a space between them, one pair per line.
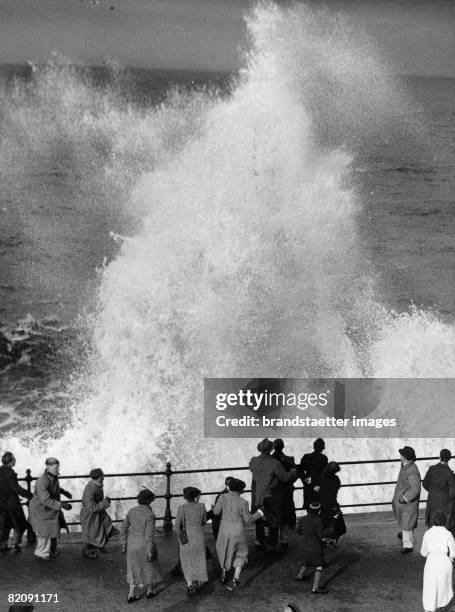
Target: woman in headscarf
438, 546
191, 516
232, 543
137, 539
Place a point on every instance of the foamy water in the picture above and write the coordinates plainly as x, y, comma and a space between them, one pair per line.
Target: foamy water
243, 256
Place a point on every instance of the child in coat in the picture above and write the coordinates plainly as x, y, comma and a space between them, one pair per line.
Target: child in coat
310, 527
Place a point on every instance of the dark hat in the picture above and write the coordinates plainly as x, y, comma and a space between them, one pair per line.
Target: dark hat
278, 444
439, 519
190, 493
445, 455
96, 473
266, 446
319, 444
52, 461
408, 453
145, 497
236, 484
314, 507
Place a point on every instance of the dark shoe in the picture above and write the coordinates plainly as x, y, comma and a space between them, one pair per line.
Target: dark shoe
234, 586
151, 594
190, 591
320, 591
132, 599
90, 554
103, 550
223, 579
406, 551
400, 535
16, 548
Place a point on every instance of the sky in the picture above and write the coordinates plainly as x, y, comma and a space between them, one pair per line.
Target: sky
417, 36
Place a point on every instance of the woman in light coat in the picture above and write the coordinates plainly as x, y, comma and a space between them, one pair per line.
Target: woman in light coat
45, 509
232, 544
438, 546
191, 516
137, 539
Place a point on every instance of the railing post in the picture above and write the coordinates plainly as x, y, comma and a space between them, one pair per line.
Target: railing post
167, 522
31, 535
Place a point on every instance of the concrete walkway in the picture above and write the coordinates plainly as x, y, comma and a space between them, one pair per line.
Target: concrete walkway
367, 572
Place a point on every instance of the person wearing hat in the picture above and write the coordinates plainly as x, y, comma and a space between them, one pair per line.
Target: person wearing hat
310, 471
405, 502
95, 521
439, 481
11, 513
137, 538
288, 516
232, 543
438, 546
45, 509
310, 527
191, 516
266, 492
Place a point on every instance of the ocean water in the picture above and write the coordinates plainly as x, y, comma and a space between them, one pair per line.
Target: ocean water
295, 219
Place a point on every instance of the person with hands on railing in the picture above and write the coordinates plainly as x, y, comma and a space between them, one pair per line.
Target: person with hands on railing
232, 543
137, 539
96, 523
45, 509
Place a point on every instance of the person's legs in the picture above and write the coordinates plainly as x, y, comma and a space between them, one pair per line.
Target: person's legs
317, 578
43, 547
408, 540
301, 573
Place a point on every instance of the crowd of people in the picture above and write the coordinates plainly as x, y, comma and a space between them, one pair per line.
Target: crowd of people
273, 513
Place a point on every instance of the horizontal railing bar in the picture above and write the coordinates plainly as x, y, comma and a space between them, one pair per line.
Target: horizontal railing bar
227, 469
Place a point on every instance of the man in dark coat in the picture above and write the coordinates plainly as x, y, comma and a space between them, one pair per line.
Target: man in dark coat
266, 492
310, 471
439, 481
288, 518
11, 513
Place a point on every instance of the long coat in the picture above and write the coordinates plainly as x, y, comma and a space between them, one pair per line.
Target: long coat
408, 484
288, 516
232, 543
268, 475
438, 546
192, 516
96, 523
10, 490
45, 506
311, 466
138, 535
439, 481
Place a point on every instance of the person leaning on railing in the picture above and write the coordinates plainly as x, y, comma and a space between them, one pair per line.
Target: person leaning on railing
11, 513
96, 523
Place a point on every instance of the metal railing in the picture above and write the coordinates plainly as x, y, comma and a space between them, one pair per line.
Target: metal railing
168, 473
